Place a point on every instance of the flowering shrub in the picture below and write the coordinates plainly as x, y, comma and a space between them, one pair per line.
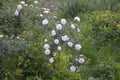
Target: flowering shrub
58, 35
22, 39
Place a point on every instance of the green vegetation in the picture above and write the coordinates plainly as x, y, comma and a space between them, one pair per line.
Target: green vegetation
25, 31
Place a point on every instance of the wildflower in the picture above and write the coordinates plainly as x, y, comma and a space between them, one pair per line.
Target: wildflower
51, 60
16, 13
78, 30
59, 48
22, 2
35, 2
77, 46
46, 46
26, 5
53, 32
77, 19
65, 38
81, 60
73, 68
58, 26
45, 22
63, 21
72, 26
1, 36
19, 7
47, 52
56, 41
70, 44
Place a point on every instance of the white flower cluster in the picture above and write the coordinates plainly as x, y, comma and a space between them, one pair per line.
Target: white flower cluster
58, 36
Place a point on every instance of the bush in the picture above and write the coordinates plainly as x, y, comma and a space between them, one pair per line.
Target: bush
22, 40
106, 27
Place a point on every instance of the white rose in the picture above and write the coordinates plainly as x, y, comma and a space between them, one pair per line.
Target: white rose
46, 46
77, 19
53, 32
1, 36
77, 46
44, 8
46, 11
47, 52
22, 2
56, 41
16, 13
19, 7
72, 26
65, 38
70, 44
73, 68
55, 17
59, 48
45, 40
51, 60
35, 2
18, 37
45, 22
63, 21
26, 5
58, 26
41, 15
78, 30
81, 60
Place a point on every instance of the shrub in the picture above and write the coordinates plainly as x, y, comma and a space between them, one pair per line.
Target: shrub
106, 27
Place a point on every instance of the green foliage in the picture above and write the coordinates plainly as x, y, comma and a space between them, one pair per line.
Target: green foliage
72, 8
106, 27
15, 25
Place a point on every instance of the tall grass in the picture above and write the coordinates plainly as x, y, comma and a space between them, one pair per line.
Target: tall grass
71, 8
